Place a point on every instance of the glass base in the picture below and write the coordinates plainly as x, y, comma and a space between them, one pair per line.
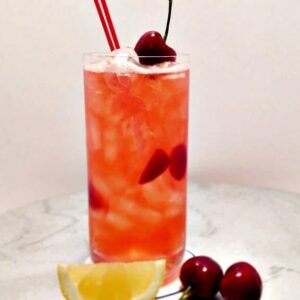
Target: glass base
173, 263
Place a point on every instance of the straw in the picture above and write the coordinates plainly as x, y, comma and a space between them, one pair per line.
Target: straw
110, 24
107, 24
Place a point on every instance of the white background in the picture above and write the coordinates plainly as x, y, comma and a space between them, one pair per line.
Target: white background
244, 108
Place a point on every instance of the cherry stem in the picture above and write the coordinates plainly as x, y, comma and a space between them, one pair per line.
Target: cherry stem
186, 293
168, 21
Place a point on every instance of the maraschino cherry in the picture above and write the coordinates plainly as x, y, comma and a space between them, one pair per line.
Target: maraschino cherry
152, 47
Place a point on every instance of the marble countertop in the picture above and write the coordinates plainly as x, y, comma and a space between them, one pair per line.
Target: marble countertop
228, 223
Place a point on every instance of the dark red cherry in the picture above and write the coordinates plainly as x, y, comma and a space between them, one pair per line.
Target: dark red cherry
241, 281
203, 275
96, 200
178, 161
156, 165
152, 49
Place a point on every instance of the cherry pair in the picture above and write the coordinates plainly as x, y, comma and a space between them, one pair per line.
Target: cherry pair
203, 277
160, 161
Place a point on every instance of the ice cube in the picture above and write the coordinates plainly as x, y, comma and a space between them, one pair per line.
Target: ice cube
121, 57
119, 221
94, 134
110, 152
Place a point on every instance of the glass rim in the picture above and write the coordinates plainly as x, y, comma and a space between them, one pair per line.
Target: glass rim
106, 54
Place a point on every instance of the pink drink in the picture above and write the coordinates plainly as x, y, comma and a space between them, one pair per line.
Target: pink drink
137, 122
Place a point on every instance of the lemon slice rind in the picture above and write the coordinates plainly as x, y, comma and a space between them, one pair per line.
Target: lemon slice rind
155, 284
67, 286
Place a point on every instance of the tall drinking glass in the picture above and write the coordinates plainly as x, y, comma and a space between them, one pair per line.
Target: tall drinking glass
136, 131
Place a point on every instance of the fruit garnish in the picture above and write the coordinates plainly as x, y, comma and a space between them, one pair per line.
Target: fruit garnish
178, 161
152, 47
201, 276
96, 201
157, 164
107, 281
241, 281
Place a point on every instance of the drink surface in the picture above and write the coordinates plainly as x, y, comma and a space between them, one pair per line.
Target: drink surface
130, 116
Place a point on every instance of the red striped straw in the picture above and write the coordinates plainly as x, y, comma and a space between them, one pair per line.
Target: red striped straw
107, 24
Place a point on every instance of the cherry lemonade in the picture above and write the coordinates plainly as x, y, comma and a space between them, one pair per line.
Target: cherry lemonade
136, 120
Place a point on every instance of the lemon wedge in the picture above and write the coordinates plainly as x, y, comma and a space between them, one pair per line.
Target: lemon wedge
111, 281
